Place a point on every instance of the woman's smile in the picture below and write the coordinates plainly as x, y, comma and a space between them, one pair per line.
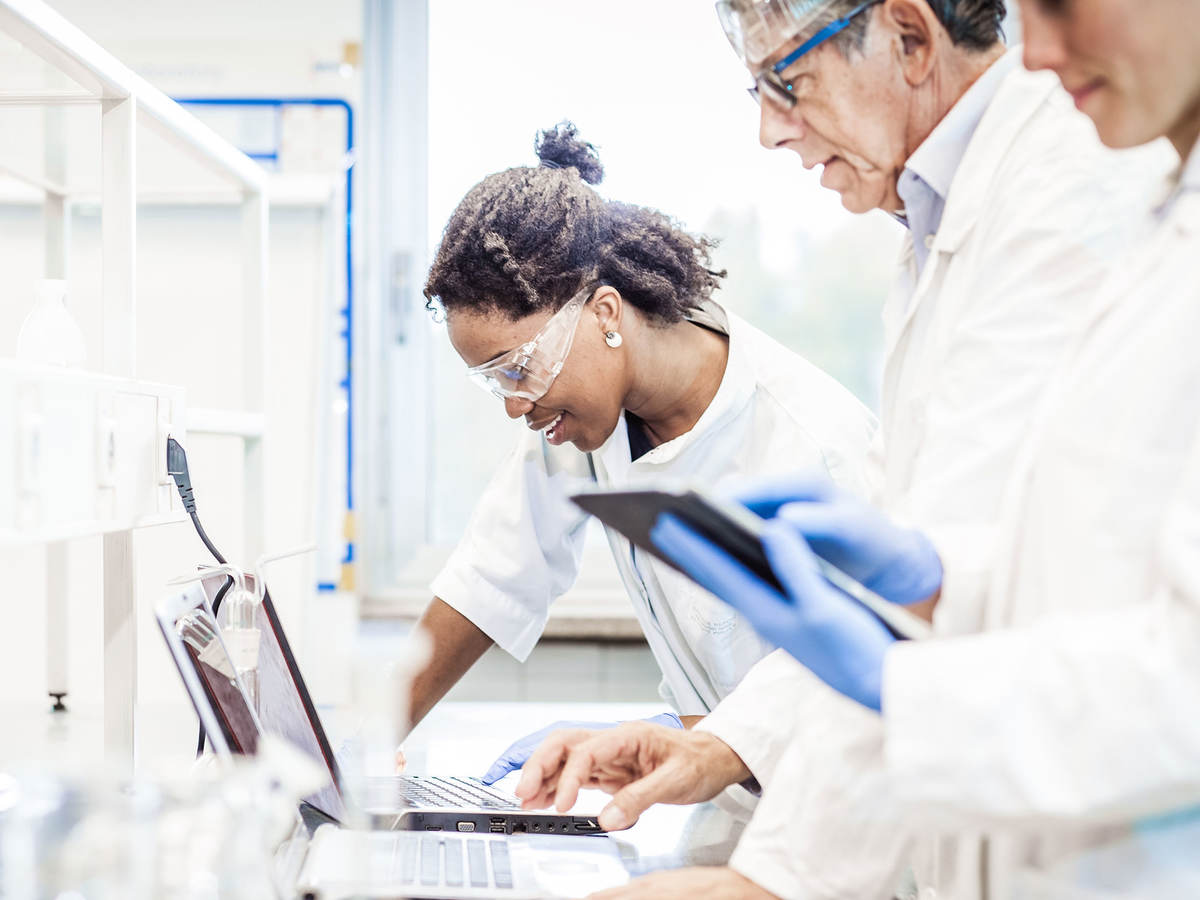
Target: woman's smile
551, 424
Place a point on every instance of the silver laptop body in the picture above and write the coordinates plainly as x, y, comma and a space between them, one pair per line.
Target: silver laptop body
378, 864
343, 863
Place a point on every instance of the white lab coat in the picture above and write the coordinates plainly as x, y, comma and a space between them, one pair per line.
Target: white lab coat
772, 413
1077, 711
1035, 213
1040, 741
1027, 234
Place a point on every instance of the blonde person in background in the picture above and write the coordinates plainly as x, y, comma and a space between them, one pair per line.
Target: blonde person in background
597, 323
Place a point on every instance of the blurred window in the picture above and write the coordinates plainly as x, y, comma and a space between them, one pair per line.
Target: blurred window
800, 267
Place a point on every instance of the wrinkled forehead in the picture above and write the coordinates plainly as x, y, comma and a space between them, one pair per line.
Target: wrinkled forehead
757, 29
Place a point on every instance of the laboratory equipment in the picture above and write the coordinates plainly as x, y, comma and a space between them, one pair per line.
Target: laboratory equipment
49, 333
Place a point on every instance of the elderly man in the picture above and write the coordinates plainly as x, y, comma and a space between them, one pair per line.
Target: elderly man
1012, 208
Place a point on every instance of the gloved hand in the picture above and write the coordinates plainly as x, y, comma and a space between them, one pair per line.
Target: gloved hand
520, 750
841, 642
898, 564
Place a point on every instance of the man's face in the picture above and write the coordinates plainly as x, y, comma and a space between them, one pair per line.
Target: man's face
1129, 64
850, 117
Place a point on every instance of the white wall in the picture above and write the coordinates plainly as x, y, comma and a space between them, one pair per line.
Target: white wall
189, 294
188, 286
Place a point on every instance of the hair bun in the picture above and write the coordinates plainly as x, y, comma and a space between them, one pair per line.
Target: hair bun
561, 147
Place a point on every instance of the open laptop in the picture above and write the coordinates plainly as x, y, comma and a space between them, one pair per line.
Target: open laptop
195, 644
344, 863
404, 802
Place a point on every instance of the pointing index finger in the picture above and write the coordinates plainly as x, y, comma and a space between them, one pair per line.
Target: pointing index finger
541, 769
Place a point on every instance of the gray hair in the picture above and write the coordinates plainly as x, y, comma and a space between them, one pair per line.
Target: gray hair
971, 24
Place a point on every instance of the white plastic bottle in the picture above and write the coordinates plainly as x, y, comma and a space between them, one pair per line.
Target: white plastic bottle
49, 333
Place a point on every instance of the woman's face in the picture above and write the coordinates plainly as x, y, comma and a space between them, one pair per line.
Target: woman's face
585, 400
1133, 66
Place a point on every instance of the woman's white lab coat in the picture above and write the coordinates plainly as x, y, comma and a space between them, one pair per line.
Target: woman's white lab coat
772, 413
1035, 214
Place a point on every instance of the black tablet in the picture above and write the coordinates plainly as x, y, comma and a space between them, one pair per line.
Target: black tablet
733, 528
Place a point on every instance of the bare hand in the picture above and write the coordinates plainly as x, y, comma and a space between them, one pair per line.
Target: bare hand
639, 763
709, 882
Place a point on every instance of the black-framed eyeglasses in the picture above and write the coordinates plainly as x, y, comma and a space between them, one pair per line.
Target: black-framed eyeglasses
780, 90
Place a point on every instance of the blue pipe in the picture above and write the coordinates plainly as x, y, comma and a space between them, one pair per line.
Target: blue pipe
348, 310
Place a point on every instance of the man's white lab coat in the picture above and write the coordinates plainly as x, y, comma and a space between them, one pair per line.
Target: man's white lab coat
1035, 214
772, 413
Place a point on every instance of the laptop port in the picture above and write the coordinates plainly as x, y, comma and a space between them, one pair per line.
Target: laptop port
496, 829
497, 820
433, 827
587, 825
520, 828
466, 826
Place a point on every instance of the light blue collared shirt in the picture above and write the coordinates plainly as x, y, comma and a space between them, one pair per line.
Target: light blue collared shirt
926, 179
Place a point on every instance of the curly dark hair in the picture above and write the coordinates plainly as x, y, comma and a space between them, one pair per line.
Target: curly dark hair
529, 238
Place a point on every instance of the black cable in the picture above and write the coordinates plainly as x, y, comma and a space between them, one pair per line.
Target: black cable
204, 537
177, 468
224, 589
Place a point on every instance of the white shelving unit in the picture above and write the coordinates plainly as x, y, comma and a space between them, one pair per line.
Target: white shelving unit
119, 484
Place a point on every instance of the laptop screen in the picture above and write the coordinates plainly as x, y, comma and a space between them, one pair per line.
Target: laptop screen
285, 708
208, 673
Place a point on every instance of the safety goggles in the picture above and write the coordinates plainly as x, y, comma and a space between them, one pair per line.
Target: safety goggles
754, 27
528, 371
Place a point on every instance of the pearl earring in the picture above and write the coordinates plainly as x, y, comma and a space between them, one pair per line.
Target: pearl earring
613, 339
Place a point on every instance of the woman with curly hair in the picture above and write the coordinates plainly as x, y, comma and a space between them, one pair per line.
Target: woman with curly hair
595, 321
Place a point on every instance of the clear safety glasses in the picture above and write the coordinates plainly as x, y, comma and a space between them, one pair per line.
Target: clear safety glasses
753, 26
528, 371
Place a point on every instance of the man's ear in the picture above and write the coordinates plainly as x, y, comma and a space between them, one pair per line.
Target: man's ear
916, 27
607, 305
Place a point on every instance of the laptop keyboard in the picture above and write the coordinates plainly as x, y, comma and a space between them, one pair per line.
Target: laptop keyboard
440, 860
440, 792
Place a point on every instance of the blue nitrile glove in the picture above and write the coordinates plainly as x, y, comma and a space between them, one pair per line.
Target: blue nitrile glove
520, 750
898, 564
841, 642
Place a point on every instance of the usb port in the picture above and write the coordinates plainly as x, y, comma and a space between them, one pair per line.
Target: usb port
466, 826
497, 820
496, 829
587, 825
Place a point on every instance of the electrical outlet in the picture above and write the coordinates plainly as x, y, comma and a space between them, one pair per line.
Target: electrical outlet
165, 428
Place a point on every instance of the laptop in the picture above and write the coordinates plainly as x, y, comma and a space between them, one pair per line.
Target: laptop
343, 863
403, 802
